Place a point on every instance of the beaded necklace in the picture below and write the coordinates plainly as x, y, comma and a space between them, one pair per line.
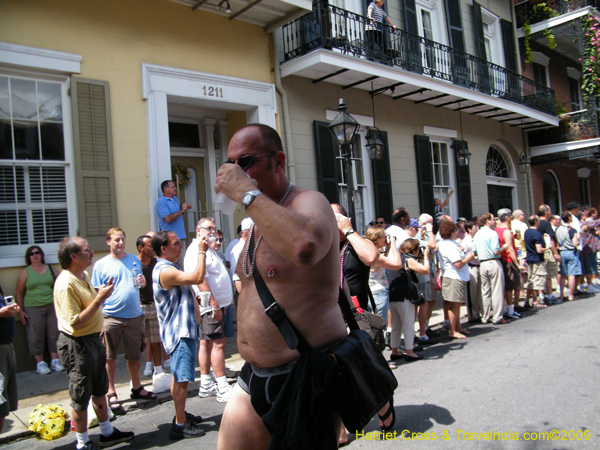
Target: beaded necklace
246, 258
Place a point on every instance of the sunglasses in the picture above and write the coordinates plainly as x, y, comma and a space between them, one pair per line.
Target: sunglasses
219, 240
380, 223
245, 162
35, 253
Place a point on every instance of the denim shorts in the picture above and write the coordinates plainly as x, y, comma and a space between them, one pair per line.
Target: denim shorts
183, 361
570, 263
228, 330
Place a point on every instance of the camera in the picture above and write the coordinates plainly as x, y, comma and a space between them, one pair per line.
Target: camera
10, 300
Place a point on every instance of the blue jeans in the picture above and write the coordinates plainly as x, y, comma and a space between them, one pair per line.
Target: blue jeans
382, 301
183, 360
228, 322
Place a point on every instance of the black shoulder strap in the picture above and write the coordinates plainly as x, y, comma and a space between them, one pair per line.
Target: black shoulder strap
275, 312
52, 273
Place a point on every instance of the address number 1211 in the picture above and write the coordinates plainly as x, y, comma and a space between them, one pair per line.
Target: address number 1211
212, 91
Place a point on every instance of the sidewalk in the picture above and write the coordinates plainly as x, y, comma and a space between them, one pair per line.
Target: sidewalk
53, 388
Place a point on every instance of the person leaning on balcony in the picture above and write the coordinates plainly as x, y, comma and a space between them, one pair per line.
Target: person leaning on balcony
374, 29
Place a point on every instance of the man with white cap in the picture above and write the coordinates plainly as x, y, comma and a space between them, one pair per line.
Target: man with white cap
235, 253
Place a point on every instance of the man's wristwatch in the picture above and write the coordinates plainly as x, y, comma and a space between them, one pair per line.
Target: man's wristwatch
349, 232
249, 197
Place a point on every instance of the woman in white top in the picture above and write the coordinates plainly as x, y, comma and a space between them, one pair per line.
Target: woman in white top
455, 275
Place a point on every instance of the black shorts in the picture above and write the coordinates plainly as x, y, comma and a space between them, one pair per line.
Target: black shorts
211, 329
263, 385
84, 359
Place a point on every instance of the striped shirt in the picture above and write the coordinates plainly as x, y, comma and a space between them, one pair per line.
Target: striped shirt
377, 13
175, 308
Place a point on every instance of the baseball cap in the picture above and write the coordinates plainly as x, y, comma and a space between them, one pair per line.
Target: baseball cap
461, 219
414, 224
247, 223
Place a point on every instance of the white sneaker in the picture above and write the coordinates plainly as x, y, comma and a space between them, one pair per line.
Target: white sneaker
42, 368
149, 369
209, 391
167, 364
596, 281
223, 395
56, 365
213, 376
593, 288
542, 297
514, 315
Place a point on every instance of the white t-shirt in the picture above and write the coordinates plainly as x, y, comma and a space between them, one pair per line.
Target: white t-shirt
398, 233
217, 276
234, 257
448, 254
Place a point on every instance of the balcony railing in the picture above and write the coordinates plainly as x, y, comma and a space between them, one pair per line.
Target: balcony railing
574, 126
332, 28
525, 11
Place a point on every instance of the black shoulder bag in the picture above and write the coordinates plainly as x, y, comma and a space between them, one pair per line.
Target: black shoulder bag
364, 383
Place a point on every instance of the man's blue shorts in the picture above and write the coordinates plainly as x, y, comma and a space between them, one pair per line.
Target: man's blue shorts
228, 330
183, 360
570, 263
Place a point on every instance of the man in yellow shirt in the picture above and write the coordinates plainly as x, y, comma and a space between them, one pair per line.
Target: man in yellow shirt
81, 352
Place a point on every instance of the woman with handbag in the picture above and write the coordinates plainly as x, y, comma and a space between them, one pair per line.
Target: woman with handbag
36, 300
402, 311
455, 275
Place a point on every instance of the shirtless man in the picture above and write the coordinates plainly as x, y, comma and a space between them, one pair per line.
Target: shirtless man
298, 248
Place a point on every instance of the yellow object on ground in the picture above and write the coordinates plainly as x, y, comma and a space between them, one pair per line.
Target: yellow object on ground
47, 421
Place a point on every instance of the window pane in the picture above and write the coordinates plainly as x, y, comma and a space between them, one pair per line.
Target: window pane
13, 227
12, 180
24, 105
445, 175
435, 148
5, 139
49, 225
184, 135
437, 174
47, 184
444, 153
4, 98
27, 143
53, 143
49, 102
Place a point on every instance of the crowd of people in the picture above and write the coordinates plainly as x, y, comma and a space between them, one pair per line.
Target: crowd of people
497, 266
307, 250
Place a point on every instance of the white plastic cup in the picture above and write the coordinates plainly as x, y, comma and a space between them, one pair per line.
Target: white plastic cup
225, 204
204, 299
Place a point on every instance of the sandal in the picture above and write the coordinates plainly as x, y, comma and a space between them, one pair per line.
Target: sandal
136, 393
114, 404
540, 305
386, 416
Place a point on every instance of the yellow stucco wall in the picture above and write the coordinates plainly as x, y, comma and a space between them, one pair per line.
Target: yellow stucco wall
114, 37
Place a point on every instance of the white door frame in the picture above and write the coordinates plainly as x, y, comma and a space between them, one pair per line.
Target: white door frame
208, 90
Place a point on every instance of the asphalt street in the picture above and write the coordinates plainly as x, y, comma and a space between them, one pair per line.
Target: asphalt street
537, 375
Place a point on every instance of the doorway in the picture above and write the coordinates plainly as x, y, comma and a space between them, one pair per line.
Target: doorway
499, 197
191, 188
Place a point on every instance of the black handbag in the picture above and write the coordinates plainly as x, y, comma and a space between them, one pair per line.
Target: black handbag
364, 382
371, 322
404, 287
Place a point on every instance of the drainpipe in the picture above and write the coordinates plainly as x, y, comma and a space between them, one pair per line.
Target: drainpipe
287, 127
528, 173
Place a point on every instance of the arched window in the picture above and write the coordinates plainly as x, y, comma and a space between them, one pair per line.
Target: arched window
496, 164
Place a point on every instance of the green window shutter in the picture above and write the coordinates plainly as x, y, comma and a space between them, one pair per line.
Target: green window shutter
480, 38
412, 45
424, 175
510, 48
327, 165
94, 167
456, 37
382, 182
481, 75
463, 183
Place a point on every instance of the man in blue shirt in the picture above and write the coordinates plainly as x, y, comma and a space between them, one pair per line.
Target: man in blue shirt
487, 246
123, 315
536, 266
169, 210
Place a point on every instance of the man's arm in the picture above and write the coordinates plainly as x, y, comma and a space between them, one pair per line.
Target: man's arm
575, 239
171, 217
443, 205
214, 304
170, 276
509, 240
365, 249
103, 292
302, 232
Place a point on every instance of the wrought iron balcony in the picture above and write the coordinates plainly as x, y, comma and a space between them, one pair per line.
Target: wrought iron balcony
574, 126
526, 11
332, 28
